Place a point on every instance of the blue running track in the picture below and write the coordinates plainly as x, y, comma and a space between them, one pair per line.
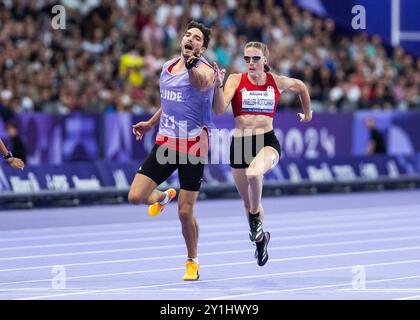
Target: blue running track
322, 247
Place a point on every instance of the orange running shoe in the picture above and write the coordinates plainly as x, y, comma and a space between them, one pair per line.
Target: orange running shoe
191, 274
157, 208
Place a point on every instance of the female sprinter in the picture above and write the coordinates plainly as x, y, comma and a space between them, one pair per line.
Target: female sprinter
254, 148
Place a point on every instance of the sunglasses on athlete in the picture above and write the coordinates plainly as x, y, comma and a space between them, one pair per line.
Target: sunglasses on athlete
254, 58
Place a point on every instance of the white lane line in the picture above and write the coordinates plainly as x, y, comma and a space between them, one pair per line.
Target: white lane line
221, 279
141, 230
254, 292
7, 295
296, 258
409, 298
157, 291
226, 224
41, 289
302, 216
158, 258
381, 290
218, 234
311, 288
305, 236
22, 291
136, 228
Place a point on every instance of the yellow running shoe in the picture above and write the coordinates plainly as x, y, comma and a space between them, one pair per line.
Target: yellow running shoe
191, 274
156, 208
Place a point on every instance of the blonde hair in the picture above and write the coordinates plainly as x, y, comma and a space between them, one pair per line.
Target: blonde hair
263, 48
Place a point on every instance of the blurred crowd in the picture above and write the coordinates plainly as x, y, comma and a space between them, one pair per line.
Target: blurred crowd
110, 54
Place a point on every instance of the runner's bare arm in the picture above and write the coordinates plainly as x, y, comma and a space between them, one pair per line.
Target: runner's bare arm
3, 148
140, 128
156, 117
11, 160
296, 85
222, 101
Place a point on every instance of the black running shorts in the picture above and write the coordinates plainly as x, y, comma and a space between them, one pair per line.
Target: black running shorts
244, 149
190, 168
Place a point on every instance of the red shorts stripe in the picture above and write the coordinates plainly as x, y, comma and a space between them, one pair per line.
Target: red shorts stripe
197, 146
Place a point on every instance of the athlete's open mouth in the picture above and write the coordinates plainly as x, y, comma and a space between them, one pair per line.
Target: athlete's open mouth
188, 46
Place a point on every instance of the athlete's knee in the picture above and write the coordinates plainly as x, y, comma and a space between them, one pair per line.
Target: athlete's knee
137, 197
253, 174
184, 215
253, 170
185, 211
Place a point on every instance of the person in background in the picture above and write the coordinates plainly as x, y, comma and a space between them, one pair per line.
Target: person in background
6, 106
376, 144
18, 147
8, 156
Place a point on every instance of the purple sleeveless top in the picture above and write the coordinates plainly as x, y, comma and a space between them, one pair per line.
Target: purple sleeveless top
185, 109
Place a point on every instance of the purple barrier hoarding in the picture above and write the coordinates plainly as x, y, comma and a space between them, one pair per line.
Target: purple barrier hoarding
65, 177
400, 130
118, 139
93, 176
328, 135
81, 137
327, 170
57, 139
404, 133
43, 137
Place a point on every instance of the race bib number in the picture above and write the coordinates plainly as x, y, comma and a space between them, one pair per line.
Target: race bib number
258, 101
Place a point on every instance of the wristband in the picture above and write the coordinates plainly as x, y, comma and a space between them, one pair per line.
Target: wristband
8, 156
192, 63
